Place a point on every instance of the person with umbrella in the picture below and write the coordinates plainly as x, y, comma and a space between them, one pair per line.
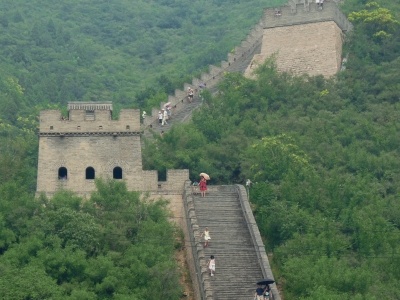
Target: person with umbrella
203, 186
266, 292
259, 295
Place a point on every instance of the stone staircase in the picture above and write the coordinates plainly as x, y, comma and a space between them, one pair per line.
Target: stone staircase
237, 266
242, 66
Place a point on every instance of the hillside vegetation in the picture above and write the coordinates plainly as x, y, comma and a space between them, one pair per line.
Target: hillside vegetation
323, 156
132, 53
81, 50
322, 153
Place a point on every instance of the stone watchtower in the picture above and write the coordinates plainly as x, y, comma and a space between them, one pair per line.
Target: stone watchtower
88, 144
304, 36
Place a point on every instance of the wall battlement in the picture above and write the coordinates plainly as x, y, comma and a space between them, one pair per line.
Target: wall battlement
304, 13
304, 37
282, 22
89, 118
215, 74
87, 144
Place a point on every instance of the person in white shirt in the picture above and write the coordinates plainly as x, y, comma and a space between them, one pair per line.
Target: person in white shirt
160, 117
165, 117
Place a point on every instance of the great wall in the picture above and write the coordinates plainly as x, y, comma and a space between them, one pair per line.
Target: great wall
304, 38
88, 144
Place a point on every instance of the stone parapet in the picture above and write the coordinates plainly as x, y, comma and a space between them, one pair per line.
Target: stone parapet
79, 121
215, 74
195, 252
303, 13
256, 237
296, 12
311, 48
75, 150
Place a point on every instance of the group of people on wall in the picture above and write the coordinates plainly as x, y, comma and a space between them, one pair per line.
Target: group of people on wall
164, 115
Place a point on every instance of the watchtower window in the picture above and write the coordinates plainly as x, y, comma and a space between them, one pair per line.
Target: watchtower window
90, 174
89, 115
62, 173
128, 127
117, 173
79, 127
100, 127
51, 127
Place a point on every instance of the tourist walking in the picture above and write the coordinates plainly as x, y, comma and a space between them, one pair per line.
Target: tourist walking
259, 295
168, 112
211, 265
190, 94
207, 237
160, 117
165, 117
203, 186
267, 292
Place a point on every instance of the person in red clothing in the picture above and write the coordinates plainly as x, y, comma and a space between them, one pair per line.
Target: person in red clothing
203, 186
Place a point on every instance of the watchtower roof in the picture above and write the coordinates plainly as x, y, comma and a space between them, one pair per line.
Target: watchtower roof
107, 105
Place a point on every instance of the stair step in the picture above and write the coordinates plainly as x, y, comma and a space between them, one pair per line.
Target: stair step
237, 266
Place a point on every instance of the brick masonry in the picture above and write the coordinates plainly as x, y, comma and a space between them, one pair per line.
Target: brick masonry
314, 48
89, 138
303, 38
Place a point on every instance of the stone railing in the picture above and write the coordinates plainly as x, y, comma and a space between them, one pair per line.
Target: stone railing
195, 252
196, 256
295, 13
256, 237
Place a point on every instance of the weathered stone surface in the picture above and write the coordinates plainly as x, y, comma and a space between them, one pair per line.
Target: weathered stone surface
304, 38
89, 138
314, 48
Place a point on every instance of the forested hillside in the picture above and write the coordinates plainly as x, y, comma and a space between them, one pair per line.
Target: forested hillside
324, 159
132, 53
323, 154
111, 246
113, 50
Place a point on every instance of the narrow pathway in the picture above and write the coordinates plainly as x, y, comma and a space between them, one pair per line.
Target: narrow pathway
184, 114
237, 267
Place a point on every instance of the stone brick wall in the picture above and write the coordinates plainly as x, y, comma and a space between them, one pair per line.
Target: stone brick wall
51, 122
76, 153
215, 74
296, 12
304, 38
306, 12
257, 240
312, 48
97, 142
195, 252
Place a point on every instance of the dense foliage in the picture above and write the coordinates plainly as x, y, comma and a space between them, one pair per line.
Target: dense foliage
120, 51
323, 155
114, 245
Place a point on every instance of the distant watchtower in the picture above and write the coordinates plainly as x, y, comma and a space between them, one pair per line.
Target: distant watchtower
87, 144
306, 37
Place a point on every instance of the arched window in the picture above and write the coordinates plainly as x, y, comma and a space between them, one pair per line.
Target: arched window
62, 173
90, 174
117, 173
